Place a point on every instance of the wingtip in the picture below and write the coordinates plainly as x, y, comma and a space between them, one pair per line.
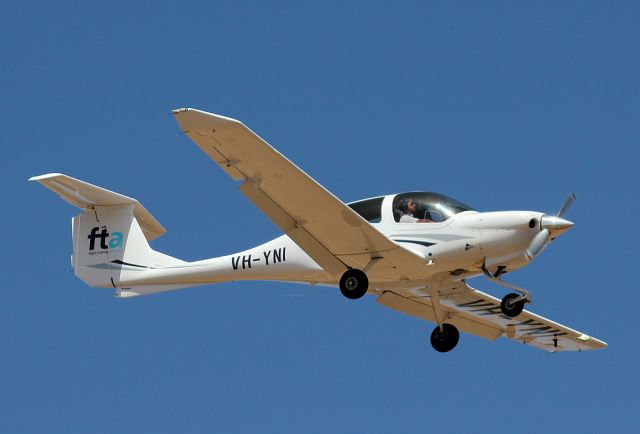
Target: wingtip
45, 176
180, 110
191, 118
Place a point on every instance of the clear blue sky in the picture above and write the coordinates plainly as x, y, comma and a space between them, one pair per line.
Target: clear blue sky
503, 105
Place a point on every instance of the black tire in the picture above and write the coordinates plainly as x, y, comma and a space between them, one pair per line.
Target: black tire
509, 307
446, 339
354, 284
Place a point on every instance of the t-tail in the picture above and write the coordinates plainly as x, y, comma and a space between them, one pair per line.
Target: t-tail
110, 237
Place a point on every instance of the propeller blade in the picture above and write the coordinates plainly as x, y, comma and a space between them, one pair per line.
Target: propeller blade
538, 244
567, 203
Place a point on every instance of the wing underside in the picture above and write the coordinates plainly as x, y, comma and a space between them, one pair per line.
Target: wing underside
330, 232
477, 313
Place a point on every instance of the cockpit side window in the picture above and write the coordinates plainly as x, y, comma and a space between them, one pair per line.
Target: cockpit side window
370, 209
420, 207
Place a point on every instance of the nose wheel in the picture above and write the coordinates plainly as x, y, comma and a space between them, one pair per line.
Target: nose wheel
354, 284
446, 339
512, 305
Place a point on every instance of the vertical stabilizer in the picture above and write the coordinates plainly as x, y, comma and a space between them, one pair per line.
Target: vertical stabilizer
109, 246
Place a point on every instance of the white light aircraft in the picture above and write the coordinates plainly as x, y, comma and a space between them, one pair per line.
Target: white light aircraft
414, 251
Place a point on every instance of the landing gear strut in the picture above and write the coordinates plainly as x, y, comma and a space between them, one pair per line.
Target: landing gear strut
354, 284
446, 339
512, 304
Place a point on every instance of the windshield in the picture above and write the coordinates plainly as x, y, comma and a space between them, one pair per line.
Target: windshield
421, 207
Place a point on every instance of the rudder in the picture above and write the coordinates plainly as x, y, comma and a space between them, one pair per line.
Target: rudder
108, 246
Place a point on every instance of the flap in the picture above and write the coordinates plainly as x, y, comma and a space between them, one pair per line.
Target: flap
424, 310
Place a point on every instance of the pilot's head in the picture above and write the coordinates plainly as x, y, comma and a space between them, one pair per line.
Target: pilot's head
408, 206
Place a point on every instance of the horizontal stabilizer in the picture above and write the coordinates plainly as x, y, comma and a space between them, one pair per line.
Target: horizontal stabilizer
87, 196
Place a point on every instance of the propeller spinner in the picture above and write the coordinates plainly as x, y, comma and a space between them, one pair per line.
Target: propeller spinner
551, 226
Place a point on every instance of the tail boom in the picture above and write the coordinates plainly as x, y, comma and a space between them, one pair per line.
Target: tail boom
111, 248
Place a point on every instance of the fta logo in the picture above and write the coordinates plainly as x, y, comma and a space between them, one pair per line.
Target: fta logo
114, 239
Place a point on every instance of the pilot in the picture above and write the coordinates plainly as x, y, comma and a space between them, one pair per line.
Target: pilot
408, 210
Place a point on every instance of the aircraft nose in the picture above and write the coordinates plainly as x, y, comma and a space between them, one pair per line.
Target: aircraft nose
556, 225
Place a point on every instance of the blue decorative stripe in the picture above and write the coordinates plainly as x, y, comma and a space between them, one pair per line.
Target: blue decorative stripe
118, 265
119, 262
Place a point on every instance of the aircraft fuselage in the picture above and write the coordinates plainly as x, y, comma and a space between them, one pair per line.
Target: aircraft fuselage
460, 245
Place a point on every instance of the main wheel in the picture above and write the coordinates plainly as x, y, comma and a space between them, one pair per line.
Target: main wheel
446, 339
354, 284
510, 307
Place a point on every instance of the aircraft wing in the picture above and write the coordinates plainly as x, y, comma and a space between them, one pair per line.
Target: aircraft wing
479, 314
330, 232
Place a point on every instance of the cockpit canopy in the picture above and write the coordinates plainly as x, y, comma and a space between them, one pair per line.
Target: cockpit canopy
427, 207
